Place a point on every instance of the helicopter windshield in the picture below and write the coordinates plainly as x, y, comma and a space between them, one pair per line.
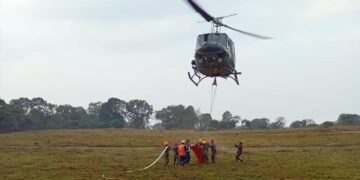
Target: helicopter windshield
213, 37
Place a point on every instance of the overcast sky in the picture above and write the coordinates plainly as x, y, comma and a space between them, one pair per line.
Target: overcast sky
81, 51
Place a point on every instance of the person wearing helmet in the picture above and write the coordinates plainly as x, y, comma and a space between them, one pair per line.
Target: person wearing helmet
182, 152
166, 154
239, 148
213, 150
175, 149
187, 148
205, 150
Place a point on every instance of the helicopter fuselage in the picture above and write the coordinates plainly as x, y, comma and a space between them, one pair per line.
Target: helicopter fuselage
215, 55
215, 52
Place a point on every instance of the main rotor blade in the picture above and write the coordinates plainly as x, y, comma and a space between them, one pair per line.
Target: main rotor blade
198, 9
222, 17
247, 33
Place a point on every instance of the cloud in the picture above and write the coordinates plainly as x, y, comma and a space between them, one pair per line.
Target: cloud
323, 9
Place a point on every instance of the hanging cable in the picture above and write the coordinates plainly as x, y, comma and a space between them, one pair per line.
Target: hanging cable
212, 100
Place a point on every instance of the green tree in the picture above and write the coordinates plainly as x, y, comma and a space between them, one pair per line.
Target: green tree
214, 124
94, 109
171, 117
18, 116
157, 126
113, 109
228, 121
204, 120
348, 119
138, 113
189, 118
5, 124
246, 124
327, 124
260, 123
297, 124
309, 123
93, 112
70, 117
226, 116
279, 123
23, 105
303, 123
41, 113
116, 124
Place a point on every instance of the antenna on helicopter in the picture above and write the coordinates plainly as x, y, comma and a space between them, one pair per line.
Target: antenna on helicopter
217, 21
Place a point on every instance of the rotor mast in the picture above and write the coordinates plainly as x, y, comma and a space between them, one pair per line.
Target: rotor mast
216, 23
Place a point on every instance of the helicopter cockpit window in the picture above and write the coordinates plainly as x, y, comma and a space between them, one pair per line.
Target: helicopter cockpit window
213, 37
218, 38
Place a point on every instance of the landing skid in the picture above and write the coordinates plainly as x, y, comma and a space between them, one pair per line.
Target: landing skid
199, 78
196, 75
234, 76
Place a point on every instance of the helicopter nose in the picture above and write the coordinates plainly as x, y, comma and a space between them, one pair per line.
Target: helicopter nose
210, 49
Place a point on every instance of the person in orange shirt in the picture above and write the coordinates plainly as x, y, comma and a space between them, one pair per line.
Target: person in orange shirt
182, 152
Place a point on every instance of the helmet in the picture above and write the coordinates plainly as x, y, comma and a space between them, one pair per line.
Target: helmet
182, 141
166, 143
204, 142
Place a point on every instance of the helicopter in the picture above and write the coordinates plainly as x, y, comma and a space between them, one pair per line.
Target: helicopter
215, 51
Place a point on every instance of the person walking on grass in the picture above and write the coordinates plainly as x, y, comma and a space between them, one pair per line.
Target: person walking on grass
175, 149
205, 150
213, 151
182, 152
239, 148
188, 149
166, 154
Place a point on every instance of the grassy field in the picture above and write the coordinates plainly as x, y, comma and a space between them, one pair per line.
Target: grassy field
88, 154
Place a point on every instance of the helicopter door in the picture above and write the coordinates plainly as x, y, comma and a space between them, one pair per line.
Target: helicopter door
232, 51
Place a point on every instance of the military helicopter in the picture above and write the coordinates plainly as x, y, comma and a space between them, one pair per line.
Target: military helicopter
215, 51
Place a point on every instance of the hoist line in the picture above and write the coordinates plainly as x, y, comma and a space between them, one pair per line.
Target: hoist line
212, 100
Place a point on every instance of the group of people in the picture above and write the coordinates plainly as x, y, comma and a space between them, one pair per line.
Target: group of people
204, 147
181, 152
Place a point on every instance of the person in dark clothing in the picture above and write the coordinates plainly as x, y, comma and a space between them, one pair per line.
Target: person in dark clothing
213, 151
239, 148
176, 154
205, 150
187, 149
166, 154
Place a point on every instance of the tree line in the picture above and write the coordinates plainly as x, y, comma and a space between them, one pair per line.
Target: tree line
35, 114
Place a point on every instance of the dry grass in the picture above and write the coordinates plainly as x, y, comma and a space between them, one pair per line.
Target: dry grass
87, 154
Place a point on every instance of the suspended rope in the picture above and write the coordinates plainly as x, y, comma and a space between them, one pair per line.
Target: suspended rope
212, 99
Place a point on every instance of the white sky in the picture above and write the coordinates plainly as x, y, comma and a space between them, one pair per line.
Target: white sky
82, 51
